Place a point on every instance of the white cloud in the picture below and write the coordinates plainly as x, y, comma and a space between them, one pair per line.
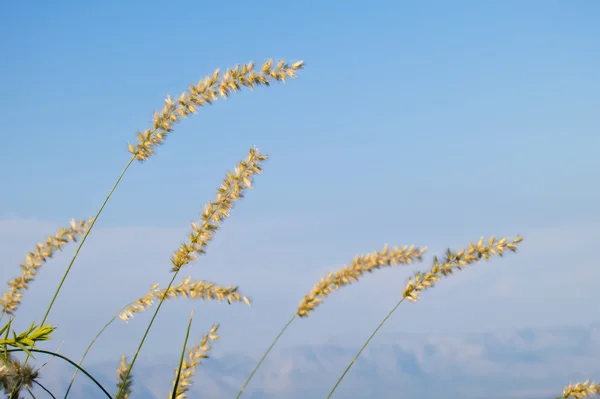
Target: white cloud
551, 281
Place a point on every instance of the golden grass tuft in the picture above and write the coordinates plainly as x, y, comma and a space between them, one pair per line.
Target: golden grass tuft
215, 212
201, 289
358, 267
580, 390
205, 92
457, 261
124, 380
195, 355
11, 299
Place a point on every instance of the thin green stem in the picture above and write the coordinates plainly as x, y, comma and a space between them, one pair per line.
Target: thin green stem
363, 348
178, 376
87, 350
45, 389
264, 356
68, 361
137, 352
82, 242
85, 237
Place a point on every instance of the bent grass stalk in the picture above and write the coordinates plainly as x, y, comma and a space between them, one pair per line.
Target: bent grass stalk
44, 389
231, 190
360, 265
453, 261
72, 363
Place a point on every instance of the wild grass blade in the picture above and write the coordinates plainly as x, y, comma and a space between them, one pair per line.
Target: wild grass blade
185, 341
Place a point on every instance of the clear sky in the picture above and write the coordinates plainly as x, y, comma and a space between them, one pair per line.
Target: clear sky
428, 123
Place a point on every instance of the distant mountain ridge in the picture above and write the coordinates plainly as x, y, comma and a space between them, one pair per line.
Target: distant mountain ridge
524, 364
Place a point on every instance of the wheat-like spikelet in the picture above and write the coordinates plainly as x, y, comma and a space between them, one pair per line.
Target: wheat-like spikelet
456, 261
216, 211
11, 299
195, 356
201, 289
581, 390
359, 266
205, 92
124, 383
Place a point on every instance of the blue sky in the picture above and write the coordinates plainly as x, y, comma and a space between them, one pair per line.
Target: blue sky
430, 123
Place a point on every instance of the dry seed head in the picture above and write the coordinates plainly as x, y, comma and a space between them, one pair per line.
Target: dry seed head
231, 190
201, 289
195, 356
581, 390
11, 299
205, 92
456, 261
124, 384
359, 266
17, 375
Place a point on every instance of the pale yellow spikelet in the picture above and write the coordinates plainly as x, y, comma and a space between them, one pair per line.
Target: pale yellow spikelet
205, 92
200, 289
456, 261
231, 190
11, 299
581, 390
195, 356
359, 266
124, 384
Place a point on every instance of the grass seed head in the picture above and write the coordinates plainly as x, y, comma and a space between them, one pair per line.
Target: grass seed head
358, 267
454, 261
201, 289
231, 190
11, 299
205, 92
124, 384
195, 356
581, 390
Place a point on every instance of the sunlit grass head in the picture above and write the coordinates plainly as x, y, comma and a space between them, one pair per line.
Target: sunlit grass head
205, 92
354, 271
201, 289
231, 190
454, 261
45, 250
